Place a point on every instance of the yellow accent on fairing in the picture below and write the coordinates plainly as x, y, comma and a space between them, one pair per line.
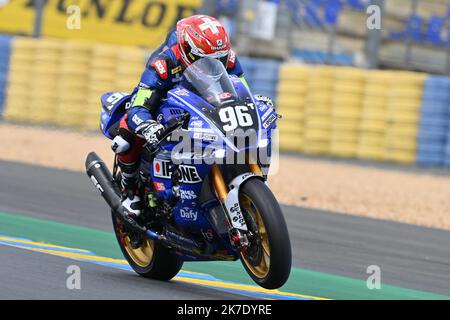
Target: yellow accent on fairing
244, 82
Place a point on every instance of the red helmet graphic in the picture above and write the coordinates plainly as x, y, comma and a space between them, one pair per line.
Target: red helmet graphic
202, 36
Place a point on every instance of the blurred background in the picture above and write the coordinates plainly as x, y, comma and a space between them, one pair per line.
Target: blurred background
361, 79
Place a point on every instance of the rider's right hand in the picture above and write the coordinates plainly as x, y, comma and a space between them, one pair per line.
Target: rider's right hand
151, 131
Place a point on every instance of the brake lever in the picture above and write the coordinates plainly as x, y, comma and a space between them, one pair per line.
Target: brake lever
186, 118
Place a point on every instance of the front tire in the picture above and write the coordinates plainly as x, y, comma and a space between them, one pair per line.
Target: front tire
268, 258
150, 259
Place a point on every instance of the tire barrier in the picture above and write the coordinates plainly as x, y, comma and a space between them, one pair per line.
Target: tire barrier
317, 111
66, 80
350, 112
373, 124
348, 90
290, 103
403, 103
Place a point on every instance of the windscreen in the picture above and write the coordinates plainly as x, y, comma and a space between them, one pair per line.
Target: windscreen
209, 79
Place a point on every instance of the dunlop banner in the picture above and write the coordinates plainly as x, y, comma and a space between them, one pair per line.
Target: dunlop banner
127, 22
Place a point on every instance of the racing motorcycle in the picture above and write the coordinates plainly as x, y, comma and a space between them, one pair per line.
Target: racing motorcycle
204, 186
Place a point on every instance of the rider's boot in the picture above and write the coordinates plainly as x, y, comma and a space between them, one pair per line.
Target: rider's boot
131, 202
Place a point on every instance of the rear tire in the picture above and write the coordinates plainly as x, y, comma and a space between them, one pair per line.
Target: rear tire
150, 260
268, 259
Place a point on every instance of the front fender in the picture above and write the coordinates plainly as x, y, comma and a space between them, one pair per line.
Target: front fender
232, 200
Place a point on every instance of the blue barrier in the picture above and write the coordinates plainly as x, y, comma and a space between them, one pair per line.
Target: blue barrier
428, 135
5, 51
261, 75
430, 159
434, 122
321, 57
434, 105
247, 64
436, 95
447, 150
438, 82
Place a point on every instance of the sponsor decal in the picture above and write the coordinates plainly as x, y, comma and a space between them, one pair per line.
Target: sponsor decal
205, 136
160, 67
218, 47
137, 120
142, 22
236, 213
177, 70
188, 174
207, 130
113, 99
161, 168
231, 60
188, 214
271, 119
182, 92
262, 107
225, 95
96, 184
187, 194
266, 114
159, 186
143, 85
197, 123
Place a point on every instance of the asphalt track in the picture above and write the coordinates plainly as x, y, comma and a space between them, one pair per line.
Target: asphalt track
409, 256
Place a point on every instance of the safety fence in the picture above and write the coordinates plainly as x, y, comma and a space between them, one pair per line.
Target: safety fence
333, 111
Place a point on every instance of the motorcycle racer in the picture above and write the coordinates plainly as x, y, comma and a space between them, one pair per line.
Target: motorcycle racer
193, 38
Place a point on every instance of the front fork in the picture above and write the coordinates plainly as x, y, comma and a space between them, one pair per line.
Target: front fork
229, 198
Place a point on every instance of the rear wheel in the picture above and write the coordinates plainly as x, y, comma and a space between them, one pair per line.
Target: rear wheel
147, 258
267, 259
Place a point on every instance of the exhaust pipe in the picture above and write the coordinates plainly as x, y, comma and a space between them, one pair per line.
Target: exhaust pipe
102, 179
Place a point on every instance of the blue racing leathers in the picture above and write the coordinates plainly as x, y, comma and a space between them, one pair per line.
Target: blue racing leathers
163, 71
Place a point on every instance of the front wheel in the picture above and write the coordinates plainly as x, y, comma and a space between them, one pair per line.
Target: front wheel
147, 258
268, 258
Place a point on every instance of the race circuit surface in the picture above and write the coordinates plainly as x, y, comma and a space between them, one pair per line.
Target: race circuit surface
32, 275
409, 256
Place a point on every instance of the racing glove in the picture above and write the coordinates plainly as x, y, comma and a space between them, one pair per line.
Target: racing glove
151, 131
